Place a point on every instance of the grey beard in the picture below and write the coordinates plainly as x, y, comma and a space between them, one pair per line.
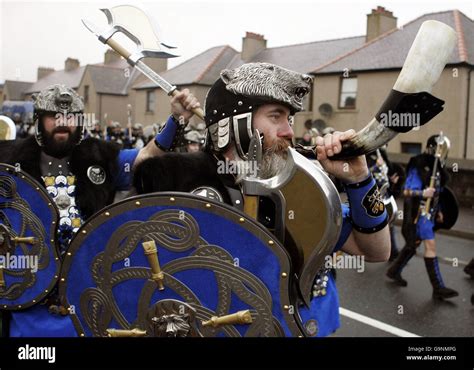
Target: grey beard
272, 164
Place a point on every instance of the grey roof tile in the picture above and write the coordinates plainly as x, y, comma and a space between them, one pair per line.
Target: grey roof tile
389, 50
69, 78
111, 80
305, 58
204, 68
467, 26
16, 89
211, 73
385, 52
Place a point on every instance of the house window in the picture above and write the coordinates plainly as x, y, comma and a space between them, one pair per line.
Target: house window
86, 94
150, 101
348, 95
411, 148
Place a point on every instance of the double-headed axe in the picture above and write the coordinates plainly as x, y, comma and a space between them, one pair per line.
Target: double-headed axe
134, 23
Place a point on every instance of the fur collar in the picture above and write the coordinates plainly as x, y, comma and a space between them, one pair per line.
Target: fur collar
91, 152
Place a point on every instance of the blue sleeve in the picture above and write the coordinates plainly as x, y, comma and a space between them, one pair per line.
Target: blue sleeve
413, 181
346, 228
124, 177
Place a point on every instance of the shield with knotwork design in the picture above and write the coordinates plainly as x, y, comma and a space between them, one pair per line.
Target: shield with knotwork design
29, 261
176, 264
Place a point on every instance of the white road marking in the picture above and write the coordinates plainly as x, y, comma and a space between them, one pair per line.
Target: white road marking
376, 323
447, 260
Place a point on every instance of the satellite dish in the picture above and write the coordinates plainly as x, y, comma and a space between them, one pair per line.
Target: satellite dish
325, 110
319, 124
7, 128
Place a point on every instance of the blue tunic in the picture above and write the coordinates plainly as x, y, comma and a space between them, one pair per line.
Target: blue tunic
325, 309
424, 226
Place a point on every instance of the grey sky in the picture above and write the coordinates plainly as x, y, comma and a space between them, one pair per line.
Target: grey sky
41, 33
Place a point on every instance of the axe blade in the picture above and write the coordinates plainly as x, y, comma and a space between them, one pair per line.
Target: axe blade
315, 206
135, 24
309, 214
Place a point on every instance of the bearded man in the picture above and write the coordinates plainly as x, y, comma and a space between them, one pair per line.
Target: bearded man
264, 97
81, 176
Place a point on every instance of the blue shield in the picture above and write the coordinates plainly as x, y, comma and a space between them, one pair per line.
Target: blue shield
28, 256
175, 264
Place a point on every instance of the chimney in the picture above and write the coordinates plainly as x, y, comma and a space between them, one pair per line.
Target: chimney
71, 64
111, 56
43, 72
252, 44
379, 22
157, 64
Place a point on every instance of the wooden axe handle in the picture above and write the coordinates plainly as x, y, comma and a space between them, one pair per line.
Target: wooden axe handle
126, 54
118, 48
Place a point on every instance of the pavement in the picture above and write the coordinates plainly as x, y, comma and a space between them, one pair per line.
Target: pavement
373, 306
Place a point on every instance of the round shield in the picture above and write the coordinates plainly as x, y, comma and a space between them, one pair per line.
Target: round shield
29, 262
450, 208
176, 264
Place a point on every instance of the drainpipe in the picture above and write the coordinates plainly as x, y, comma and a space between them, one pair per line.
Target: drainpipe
467, 113
100, 108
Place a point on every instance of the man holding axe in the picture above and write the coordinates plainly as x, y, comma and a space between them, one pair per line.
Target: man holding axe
82, 175
248, 116
256, 102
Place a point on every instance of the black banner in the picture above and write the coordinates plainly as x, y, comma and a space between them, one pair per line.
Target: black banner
349, 353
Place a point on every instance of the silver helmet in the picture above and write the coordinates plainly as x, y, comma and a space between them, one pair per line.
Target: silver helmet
438, 146
194, 137
57, 99
238, 92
